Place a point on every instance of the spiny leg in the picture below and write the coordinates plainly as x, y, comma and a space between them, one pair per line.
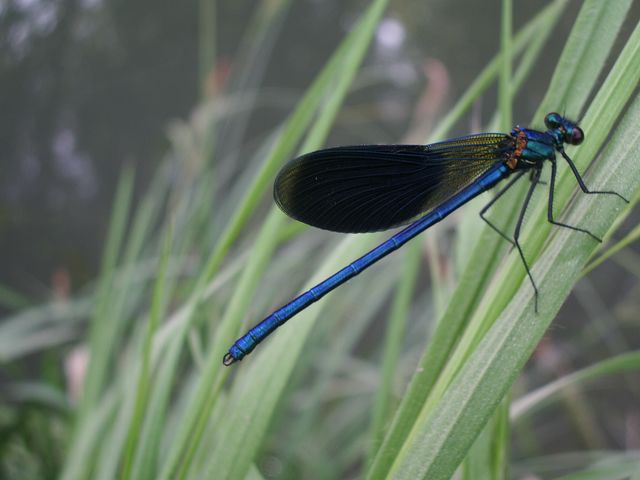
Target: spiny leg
552, 187
516, 235
494, 199
583, 187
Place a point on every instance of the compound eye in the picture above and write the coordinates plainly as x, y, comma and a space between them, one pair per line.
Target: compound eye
553, 120
577, 136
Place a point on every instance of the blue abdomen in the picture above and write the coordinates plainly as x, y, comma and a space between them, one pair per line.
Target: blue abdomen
540, 146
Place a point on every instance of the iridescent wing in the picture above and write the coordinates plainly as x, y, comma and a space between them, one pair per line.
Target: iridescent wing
376, 187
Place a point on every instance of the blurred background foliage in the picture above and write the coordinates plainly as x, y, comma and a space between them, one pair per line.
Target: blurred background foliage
187, 99
90, 86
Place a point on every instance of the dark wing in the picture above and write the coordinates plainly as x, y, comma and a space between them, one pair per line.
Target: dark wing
376, 187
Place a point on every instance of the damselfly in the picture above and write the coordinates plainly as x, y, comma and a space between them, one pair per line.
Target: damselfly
376, 187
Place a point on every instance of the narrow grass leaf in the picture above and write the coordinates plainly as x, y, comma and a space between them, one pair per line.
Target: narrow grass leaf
538, 399
587, 48
343, 73
631, 237
504, 85
394, 339
440, 439
100, 351
143, 384
470, 284
614, 469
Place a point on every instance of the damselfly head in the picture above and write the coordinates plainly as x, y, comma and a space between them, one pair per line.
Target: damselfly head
568, 130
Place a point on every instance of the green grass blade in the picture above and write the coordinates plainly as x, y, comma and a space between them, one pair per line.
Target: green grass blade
612, 469
595, 461
344, 70
538, 399
254, 56
491, 452
256, 393
147, 455
485, 258
340, 338
601, 116
293, 130
394, 336
504, 86
442, 436
80, 463
504, 292
586, 50
631, 237
535, 28
143, 383
488, 457
96, 374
